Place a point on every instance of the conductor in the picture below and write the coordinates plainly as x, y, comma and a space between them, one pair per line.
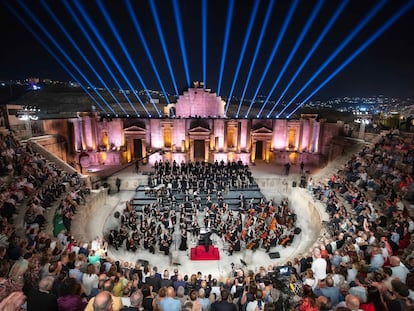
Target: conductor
207, 241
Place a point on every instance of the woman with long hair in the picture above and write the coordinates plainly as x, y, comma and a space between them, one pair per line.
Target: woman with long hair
374, 300
309, 299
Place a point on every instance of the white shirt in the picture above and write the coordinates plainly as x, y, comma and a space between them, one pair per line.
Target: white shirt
319, 268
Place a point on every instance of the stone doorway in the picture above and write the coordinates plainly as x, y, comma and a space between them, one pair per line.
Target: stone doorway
199, 152
137, 148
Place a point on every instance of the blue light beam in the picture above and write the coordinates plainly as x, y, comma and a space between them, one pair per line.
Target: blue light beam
274, 50
49, 50
344, 43
98, 36
163, 44
204, 14
371, 39
322, 35
85, 59
138, 28
229, 19
292, 53
57, 45
180, 32
243, 51
256, 51
98, 53
126, 53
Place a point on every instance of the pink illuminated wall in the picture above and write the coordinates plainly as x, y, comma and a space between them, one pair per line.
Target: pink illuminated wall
199, 102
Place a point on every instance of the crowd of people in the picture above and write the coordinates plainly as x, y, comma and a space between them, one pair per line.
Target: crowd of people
364, 262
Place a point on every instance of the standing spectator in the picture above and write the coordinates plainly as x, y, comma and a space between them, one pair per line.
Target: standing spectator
42, 299
318, 265
118, 183
70, 296
223, 304
170, 303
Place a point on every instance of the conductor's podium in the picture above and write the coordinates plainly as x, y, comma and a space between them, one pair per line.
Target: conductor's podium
199, 253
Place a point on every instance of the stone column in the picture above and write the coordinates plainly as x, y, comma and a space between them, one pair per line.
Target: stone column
253, 154
238, 136
191, 150
206, 150
225, 137
144, 151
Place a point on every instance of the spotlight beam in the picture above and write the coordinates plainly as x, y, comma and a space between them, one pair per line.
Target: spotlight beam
56, 44
292, 53
98, 36
125, 51
274, 50
49, 50
229, 18
243, 51
204, 14
370, 40
85, 59
322, 35
344, 43
256, 51
163, 44
138, 28
98, 53
180, 32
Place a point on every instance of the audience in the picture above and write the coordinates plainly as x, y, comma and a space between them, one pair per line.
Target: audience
364, 261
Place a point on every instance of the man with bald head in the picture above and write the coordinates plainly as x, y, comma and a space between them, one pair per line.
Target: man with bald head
103, 301
170, 303
398, 269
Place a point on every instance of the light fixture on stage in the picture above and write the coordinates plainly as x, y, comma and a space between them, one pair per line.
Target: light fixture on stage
274, 50
292, 53
371, 39
243, 50
163, 44
138, 29
256, 53
180, 31
125, 51
229, 18
344, 43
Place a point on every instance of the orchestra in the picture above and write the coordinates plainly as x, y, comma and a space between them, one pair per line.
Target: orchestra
264, 225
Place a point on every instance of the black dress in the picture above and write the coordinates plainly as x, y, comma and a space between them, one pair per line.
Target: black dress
183, 244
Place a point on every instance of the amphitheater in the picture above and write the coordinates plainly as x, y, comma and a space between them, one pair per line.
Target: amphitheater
97, 218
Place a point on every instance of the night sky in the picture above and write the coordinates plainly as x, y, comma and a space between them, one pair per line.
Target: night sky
384, 67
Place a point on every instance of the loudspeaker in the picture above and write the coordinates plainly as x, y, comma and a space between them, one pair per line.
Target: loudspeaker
297, 230
294, 184
274, 255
